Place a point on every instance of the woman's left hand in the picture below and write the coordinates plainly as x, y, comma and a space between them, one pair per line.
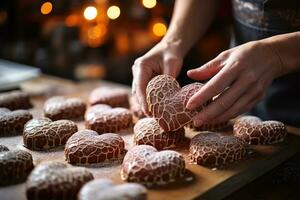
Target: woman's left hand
240, 77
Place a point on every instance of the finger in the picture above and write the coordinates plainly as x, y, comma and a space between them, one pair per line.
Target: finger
243, 104
141, 84
225, 100
238, 110
255, 94
133, 84
213, 87
207, 70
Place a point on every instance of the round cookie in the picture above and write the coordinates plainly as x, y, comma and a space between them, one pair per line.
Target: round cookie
147, 131
255, 131
144, 164
104, 189
167, 100
15, 100
15, 165
115, 97
87, 147
214, 149
105, 119
56, 181
12, 122
43, 134
60, 107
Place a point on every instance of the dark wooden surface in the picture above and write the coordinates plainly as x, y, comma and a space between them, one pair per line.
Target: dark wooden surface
200, 182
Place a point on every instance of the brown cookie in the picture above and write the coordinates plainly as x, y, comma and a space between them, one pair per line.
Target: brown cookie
12, 122
14, 165
147, 131
15, 100
60, 107
55, 180
87, 147
254, 131
104, 189
167, 100
104, 119
115, 97
43, 134
144, 164
214, 149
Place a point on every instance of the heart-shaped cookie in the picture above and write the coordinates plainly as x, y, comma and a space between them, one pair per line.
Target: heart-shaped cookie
105, 119
145, 165
60, 107
87, 147
255, 131
15, 100
12, 122
214, 149
14, 165
104, 189
167, 100
55, 180
115, 97
43, 134
147, 131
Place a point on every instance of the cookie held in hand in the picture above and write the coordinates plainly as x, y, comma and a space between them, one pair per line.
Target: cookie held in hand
167, 100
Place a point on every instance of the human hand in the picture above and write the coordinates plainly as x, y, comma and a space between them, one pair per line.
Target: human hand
164, 58
240, 77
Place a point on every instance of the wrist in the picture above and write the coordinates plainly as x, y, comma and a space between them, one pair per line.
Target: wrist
275, 58
176, 44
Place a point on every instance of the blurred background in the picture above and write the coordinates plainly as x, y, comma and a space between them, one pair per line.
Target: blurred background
98, 39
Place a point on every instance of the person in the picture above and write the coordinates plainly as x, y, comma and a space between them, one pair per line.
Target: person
260, 73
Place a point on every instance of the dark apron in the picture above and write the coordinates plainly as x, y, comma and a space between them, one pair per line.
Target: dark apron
258, 19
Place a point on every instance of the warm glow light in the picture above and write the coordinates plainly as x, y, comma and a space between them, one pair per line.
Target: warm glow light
90, 13
113, 12
46, 8
149, 3
72, 20
159, 29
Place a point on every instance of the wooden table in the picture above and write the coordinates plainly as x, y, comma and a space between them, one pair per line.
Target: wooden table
200, 182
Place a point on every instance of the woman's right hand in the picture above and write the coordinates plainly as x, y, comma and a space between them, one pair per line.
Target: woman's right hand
163, 58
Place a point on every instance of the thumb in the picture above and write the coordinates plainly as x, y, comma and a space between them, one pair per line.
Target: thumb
172, 66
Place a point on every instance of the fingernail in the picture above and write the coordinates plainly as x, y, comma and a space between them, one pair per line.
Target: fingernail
190, 106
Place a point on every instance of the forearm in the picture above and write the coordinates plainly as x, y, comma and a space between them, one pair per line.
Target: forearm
190, 21
287, 48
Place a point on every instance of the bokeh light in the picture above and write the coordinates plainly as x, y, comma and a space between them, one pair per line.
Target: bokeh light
113, 12
159, 29
46, 8
149, 3
90, 13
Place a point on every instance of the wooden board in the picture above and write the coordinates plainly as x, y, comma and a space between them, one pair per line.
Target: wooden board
200, 182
